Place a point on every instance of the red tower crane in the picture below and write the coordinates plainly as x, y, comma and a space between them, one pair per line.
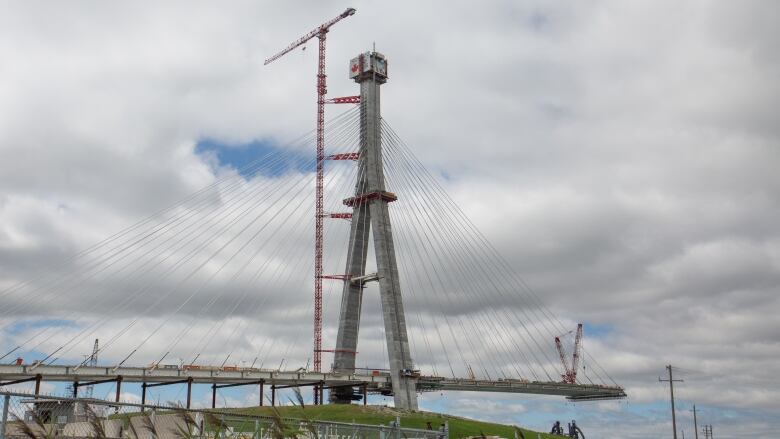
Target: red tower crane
570, 373
320, 32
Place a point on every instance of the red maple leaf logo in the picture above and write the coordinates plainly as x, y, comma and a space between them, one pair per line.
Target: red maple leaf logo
354, 67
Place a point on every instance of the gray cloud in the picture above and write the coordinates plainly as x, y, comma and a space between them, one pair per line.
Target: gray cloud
622, 157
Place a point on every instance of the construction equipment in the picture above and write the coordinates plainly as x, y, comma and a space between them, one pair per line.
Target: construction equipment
574, 431
92, 363
320, 32
570, 372
470, 371
89, 360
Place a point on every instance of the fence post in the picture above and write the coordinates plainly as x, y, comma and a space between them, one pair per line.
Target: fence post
152, 418
6, 402
397, 427
447, 429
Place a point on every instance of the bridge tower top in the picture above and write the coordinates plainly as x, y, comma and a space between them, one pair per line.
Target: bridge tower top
369, 65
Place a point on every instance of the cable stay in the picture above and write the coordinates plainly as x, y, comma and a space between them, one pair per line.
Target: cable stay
223, 278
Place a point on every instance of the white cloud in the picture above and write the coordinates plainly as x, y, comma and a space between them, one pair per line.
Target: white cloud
621, 156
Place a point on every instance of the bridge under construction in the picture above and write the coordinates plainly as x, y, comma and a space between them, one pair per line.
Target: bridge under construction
468, 310
380, 383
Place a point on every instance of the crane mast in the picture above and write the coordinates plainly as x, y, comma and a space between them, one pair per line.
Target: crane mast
320, 32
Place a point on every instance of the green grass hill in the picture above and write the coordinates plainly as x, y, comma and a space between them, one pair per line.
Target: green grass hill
376, 415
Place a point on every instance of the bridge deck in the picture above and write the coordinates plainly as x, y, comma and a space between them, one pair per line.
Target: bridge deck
287, 378
580, 392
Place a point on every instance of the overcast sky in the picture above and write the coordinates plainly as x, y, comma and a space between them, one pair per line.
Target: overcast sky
622, 156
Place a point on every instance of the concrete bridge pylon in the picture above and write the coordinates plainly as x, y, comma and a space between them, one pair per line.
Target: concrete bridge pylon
370, 215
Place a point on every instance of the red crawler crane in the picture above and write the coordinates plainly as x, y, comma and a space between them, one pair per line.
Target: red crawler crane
320, 32
570, 373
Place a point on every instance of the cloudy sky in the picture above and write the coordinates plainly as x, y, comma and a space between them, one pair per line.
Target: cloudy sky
621, 156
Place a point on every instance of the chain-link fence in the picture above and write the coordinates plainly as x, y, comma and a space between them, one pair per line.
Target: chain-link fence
26, 416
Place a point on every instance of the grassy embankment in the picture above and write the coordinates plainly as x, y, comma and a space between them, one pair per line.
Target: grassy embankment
375, 415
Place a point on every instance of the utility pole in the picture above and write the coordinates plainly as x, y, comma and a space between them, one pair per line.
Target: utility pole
707, 430
695, 426
671, 392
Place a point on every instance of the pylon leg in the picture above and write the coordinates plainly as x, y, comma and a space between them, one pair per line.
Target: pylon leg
371, 213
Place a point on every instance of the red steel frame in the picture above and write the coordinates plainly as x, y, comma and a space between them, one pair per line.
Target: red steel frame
319, 213
570, 373
320, 32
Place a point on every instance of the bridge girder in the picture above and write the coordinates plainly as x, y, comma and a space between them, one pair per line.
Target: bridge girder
61, 373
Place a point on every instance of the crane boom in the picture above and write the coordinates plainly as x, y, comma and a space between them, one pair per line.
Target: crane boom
569, 374
562, 354
321, 33
317, 31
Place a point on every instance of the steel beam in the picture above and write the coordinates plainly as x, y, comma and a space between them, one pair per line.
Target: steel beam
19, 381
145, 385
215, 386
290, 386
92, 383
168, 383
